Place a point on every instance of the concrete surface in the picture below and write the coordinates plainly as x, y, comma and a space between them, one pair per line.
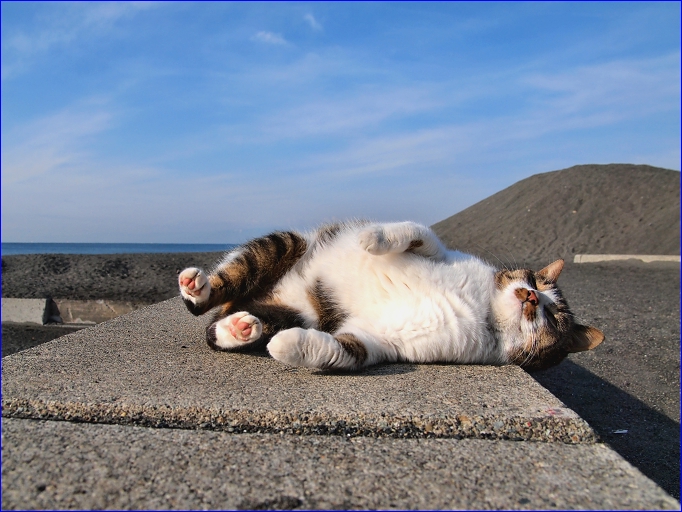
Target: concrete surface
631, 382
153, 367
92, 311
82, 312
150, 370
17, 337
647, 258
23, 310
119, 467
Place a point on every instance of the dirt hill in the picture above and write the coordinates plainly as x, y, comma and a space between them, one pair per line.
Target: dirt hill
586, 209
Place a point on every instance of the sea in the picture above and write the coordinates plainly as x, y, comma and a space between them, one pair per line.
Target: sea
9, 248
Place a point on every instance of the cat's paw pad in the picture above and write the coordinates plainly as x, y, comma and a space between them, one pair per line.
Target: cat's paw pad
373, 240
244, 326
236, 331
194, 285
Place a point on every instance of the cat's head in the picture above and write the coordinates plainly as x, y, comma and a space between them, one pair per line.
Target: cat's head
533, 318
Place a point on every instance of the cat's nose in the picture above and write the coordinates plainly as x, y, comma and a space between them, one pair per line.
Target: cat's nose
533, 298
526, 295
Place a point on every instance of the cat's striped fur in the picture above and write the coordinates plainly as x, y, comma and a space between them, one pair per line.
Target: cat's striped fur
355, 294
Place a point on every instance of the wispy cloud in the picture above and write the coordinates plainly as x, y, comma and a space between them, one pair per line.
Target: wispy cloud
269, 37
641, 85
348, 115
584, 97
66, 24
47, 144
314, 24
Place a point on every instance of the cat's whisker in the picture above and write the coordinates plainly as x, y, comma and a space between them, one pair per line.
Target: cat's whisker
516, 265
494, 256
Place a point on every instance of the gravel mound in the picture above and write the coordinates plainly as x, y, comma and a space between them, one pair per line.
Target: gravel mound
586, 209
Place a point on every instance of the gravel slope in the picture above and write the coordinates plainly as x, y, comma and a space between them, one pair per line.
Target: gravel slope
593, 209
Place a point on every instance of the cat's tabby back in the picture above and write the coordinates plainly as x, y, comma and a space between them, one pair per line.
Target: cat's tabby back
355, 294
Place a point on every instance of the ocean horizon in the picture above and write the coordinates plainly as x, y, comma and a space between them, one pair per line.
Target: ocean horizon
16, 248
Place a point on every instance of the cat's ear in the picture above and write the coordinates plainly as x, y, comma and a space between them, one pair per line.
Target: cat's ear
551, 272
585, 337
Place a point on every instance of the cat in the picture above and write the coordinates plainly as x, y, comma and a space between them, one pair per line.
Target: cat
354, 294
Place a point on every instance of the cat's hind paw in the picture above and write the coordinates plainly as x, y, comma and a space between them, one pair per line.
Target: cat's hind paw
373, 240
194, 285
310, 348
235, 331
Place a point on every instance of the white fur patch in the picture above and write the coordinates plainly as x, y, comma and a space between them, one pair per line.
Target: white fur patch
309, 348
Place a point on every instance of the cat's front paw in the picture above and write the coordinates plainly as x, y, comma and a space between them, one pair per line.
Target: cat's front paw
194, 285
244, 326
236, 331
373, 240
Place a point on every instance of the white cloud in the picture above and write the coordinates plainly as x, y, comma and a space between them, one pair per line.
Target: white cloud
52, 142
269, 37
612, 90
314, 24
348, 115
66, 24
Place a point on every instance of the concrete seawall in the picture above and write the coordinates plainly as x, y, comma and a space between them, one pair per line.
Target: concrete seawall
64, 311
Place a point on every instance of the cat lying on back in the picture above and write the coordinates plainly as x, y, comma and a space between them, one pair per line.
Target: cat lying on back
356, 294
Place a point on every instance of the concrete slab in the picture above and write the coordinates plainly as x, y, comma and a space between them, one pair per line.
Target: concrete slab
92, 311
29, 311
57, 465
80, 312
153, 368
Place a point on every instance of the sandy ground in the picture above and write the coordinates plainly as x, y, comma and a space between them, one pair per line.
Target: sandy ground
628, 389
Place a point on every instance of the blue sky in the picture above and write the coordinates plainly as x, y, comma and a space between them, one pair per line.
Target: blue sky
217, 122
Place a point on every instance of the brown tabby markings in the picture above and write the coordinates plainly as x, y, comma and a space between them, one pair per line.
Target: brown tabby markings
329, 314
327, 233
504, 277
415, 244
262, 262
353, 346
256, 266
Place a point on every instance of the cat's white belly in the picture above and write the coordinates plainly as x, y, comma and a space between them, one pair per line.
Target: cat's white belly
423, 310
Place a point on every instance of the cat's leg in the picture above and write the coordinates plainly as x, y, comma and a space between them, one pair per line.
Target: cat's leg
247, 271
398, 237
316, 349
236, 331
252, 330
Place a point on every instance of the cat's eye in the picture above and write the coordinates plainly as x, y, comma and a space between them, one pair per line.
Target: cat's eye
551, 310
